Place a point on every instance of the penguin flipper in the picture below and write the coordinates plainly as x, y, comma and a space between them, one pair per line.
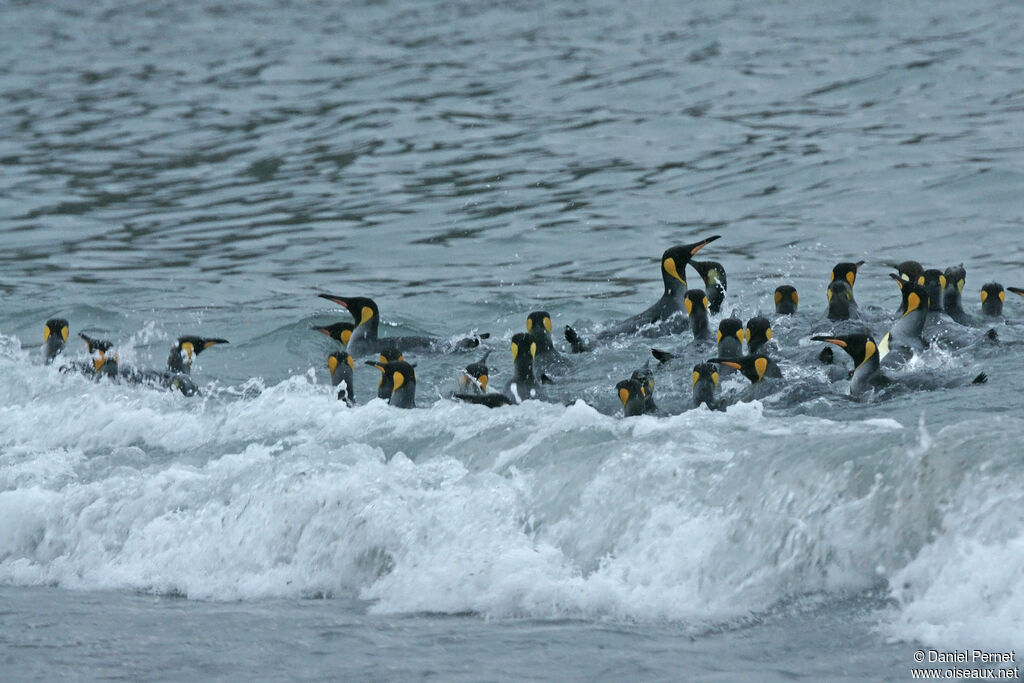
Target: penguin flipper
662, 356
575, 342
489, 400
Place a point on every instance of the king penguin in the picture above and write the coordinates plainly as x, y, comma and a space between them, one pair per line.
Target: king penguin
364, 340
904, 339
758, 334
666, 315
55, 337
715, 283
867, 374
992, 297
633, 397
401, 376
186, 348
538, 326
786, 300
705, 382
341, 365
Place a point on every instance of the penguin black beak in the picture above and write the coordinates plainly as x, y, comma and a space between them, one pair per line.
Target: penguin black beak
736, 365
340, 300
694, 248
833, 340
899, 281
1016, 290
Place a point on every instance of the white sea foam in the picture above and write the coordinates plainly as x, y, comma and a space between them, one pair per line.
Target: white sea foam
535, 510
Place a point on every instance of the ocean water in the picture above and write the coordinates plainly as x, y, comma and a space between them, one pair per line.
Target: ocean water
208, 168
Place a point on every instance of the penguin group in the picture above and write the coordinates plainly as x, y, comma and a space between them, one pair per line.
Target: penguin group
931, 312
103, 359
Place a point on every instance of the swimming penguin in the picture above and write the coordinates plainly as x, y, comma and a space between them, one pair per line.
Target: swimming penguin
180, 358
401, 376
862, 349
786, 300
715, 283
389, 354
633, 397
1016, 290
761, 370
910, 271
55, 337
934, 282
339, 332
905, 336
841, 305
341, 365
730, 338
956, 278
845, 272
523, 384
992, 297
667, 313
646, 379
104, 363
538, 326
696, 303
705, 381
364, 339
474, 377
758, 334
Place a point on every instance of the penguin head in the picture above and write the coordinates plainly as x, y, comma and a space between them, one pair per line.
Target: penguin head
845, 272
705, 381
956, 278
1016, 290
840, 299
538, 322
475, 376
524, 349
390, 354
646, 379
103, 361
695, 302
633, 397
758, 333
711, 273
186, 348
910, 271
339, 332
934, 282
786, 300
754, 367
730, 328
341, 365
715, 283
362, 308
402, 378
992, 297
915, 297
673, 264
55, 337
861, 347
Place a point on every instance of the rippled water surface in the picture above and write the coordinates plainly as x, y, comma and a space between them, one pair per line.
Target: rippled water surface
210, 167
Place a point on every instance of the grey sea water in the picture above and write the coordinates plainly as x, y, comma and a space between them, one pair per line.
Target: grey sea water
208, 168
